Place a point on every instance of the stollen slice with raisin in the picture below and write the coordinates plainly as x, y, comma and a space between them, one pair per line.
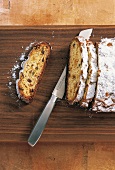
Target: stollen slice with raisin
77, 70
32, 71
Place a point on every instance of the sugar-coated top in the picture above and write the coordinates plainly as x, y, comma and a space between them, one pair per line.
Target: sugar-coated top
92, 76
105, 93
84, 68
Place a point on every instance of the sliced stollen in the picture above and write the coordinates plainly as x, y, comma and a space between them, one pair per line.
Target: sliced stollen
32, 70
104, 100
84, 68
90, 86
77, 70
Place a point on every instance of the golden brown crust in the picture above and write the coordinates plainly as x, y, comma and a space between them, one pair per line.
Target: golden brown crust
32, 71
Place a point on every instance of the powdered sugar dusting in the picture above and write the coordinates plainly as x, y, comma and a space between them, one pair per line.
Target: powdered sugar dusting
53, 34
105, 93
92, 76
84, 68
13, 74
22, 57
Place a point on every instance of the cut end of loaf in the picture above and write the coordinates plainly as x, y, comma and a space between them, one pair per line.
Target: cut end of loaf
95, 85
74, 70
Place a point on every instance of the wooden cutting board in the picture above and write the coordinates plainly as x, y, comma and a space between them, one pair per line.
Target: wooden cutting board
66, 123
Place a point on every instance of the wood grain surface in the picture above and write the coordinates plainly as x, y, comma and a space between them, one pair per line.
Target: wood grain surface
66, 123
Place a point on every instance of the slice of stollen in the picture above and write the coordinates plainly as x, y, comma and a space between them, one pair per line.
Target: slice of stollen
90, 86
84, 68
77, 70
32, 71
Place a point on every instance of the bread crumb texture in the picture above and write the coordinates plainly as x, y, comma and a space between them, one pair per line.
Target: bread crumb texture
32, 71
77, 69
74, 70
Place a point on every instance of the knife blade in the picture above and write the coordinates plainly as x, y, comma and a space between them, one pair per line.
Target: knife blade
58, 92
86, 33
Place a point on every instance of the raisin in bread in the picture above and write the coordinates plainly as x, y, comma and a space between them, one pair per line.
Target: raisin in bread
77, 70
105, 92
32, 71
90, 86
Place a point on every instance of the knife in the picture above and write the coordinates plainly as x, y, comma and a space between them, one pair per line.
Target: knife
86, 33
58, 92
